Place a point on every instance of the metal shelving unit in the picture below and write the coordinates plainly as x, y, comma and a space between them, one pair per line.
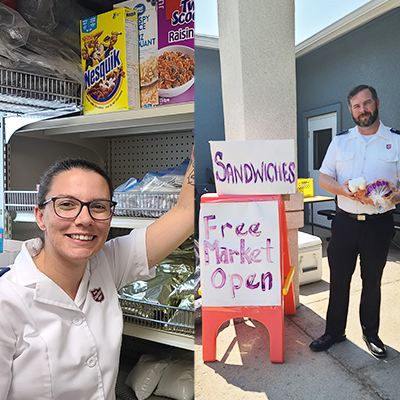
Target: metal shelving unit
126, 144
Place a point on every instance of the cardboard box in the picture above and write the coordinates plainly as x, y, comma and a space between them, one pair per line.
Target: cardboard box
148, 48
110, 60
176, 51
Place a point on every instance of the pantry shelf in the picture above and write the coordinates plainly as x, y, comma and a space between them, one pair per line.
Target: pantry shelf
117, 222
170, 118
169, 338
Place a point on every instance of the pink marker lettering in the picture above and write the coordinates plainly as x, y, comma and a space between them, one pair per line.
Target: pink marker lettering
250, 282
236, 286
218, 271
268, 250
208, 228
264, 277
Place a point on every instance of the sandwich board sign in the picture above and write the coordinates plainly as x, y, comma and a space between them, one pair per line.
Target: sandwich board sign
240, 251
243, 243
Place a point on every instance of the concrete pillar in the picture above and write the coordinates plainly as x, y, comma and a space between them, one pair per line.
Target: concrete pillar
257, 53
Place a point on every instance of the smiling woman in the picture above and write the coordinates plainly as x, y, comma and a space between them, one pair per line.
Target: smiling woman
60, 317
64, 255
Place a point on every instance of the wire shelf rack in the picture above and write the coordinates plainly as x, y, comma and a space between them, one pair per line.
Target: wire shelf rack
22, 92
20, 201
158, 316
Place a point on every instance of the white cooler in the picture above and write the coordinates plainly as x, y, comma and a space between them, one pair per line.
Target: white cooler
310, 258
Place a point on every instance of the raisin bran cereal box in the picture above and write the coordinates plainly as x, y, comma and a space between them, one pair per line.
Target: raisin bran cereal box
148, 48
109, 54
175, 51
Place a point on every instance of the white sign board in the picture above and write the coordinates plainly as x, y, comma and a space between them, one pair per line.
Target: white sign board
240, 254
254, 166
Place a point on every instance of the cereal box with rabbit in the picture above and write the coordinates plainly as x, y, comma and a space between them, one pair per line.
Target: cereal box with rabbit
175, 51
148, 48
109, 54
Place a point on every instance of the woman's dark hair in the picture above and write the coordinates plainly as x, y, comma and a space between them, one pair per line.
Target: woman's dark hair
358, 89
68, 164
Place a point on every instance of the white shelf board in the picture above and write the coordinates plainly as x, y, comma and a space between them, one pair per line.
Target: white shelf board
125, 222
116, 222
24, 217
155, 335
170, 118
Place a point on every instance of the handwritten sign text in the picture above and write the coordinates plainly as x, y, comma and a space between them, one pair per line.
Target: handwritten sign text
240, 253
254, 167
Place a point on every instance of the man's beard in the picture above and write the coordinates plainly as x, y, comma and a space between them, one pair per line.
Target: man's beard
369, 121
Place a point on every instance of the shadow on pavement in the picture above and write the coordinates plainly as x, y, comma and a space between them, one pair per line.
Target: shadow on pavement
346, 371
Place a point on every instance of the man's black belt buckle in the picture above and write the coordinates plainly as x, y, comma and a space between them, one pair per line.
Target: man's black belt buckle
363, 217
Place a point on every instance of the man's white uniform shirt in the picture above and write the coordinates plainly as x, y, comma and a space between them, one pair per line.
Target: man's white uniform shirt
352, 155
52, 347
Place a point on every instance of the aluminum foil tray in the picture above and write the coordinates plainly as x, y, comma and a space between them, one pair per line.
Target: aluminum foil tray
150, 205
158, 316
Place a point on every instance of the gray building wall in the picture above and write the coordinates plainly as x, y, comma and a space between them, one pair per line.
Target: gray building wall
209, 116
368, 55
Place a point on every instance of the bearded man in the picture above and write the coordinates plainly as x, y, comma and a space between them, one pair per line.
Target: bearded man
360, 227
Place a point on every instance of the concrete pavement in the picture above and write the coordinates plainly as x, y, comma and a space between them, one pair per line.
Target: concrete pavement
346, 371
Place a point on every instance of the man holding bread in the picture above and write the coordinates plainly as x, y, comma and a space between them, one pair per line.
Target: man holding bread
361, 167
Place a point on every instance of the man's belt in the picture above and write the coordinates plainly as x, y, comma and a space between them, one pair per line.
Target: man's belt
364, 217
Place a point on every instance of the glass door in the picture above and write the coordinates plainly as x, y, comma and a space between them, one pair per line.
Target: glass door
321, 131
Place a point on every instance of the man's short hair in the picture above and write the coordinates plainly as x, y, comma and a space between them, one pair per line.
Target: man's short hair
358, 89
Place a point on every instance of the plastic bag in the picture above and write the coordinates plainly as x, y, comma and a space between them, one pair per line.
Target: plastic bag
177, 381
59, 18
155, 182
25, 48
70, 13
146, 374
14, 30
45, 55
41, 14
380, 192
128, 185
170, 180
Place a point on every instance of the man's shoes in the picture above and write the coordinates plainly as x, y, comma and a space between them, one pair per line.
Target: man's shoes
375, 346
326, 341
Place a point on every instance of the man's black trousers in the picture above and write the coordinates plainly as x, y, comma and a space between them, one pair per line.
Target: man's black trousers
371, 240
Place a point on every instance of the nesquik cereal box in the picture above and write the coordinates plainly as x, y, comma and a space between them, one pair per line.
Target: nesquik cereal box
148, 48
175, 51
109, 54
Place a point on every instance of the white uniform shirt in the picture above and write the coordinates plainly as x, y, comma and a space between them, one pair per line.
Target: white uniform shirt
350, 156
52, 347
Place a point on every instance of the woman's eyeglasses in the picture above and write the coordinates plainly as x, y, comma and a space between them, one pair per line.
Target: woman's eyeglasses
70, 208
